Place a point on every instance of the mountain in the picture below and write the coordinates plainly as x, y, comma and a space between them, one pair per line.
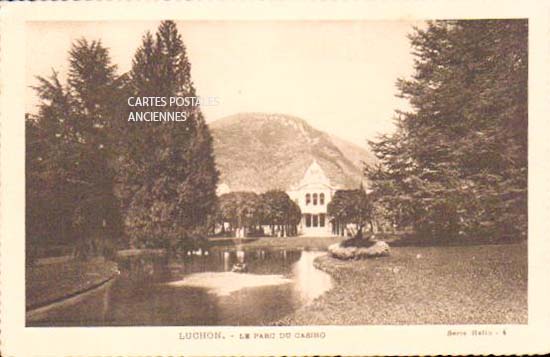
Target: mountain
259, 151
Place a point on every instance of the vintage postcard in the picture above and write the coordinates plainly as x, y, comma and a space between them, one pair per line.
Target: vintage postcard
274, 178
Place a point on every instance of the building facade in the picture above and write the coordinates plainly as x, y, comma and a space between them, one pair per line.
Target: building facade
312, 194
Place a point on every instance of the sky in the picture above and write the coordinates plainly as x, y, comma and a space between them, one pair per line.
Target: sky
337, 75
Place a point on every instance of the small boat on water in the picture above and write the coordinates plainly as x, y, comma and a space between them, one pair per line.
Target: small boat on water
239, 268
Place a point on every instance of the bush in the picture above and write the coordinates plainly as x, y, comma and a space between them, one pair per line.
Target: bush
377, 249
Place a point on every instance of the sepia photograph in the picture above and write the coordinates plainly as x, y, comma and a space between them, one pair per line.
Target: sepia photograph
274, 178
276, 173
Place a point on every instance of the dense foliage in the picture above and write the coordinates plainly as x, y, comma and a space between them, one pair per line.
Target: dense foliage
168, 174
252, 211
69, 155
457, 165
351, 206
93, 177
280, 212
239, 210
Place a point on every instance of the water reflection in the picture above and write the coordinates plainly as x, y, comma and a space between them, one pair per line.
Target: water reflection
147, 291
309, 282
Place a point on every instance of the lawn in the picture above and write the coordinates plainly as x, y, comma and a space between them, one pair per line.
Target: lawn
484, 284
307, 243
55, 280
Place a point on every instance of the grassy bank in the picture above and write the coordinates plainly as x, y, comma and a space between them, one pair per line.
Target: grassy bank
484, 284
51, 281
308, 243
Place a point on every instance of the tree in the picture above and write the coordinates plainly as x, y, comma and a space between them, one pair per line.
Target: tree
240, 210
168, 175
70, 154
457, 164
280, 212
352, 206
45, 160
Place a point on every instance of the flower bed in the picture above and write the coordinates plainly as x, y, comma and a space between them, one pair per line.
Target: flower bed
347, 252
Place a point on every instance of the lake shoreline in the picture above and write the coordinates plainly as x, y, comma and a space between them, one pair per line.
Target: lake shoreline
192, 290
53, 283
423, 285
55, 279
414, 285
300, 243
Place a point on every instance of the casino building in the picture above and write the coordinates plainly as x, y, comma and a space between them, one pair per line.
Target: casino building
312, 194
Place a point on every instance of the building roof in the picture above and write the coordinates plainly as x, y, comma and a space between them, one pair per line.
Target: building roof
314, 176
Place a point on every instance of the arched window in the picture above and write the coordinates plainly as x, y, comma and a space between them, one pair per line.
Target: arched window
322, 199
314, 199
308, 198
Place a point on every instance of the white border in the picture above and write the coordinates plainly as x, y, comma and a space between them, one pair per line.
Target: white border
17, 340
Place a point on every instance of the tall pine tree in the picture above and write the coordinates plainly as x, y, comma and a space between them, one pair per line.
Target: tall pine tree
169, 175
70, 155
457, 166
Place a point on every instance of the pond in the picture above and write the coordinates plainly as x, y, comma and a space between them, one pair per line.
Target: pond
200, 289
